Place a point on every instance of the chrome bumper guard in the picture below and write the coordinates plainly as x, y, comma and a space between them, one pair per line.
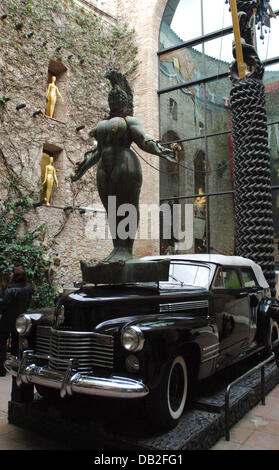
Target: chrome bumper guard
26, 371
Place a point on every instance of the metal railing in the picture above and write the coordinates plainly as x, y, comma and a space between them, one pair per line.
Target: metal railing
261, 366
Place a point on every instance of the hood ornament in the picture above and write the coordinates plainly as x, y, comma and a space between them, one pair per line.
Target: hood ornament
60, 316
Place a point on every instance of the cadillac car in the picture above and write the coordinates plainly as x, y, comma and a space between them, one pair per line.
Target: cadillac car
149, 340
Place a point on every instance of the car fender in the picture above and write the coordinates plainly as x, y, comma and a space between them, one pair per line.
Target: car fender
274, 310
263, 322
170, 335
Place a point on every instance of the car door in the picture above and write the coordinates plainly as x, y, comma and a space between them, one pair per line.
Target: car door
232, 311
255, 295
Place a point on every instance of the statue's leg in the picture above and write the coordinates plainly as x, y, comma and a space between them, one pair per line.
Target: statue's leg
49, 190
125, 184
48, 108
52, 106
102, 184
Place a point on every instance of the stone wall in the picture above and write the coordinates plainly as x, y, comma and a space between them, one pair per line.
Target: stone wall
37, 40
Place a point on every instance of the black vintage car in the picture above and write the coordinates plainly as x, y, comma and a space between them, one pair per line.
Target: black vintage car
149, 340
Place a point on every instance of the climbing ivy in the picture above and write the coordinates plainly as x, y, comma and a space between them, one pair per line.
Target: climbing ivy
36, 31
79, 31
24, 250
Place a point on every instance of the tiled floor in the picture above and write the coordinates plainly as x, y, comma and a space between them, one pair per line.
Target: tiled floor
258, 430
15, 438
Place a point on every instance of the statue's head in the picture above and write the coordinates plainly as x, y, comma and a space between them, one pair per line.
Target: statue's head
120, 97
118, 101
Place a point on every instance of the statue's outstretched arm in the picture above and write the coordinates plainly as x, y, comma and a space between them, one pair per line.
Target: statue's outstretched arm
90, 159
146, 142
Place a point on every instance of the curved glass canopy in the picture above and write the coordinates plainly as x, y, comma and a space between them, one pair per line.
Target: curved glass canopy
195, 53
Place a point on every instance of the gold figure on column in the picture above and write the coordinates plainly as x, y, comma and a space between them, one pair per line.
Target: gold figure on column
50, 177
51, 95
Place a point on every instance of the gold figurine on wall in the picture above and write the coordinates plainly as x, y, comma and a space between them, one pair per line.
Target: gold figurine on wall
49, 178
51, 96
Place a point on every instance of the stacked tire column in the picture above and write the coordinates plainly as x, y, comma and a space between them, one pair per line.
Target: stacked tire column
253, 199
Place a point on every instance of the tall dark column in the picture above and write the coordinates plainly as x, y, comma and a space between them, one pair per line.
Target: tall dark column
253, 198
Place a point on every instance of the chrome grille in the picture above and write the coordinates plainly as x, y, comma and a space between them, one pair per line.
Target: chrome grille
87, 348
43, 340
175, 307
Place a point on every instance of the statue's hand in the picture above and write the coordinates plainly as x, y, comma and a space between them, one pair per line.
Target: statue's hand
171, 159
78, 167
168, 155
90, 158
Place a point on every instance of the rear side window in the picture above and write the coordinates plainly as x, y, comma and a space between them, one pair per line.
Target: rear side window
231, 279
248, 278
227, 278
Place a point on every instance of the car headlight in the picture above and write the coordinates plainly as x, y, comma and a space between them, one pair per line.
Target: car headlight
23, 324
132, 338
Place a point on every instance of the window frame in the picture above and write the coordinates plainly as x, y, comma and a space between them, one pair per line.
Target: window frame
236, 269
201, 40
250, 270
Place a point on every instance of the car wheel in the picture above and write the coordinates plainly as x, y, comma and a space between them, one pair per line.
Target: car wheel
274, 340
274, 333
167, 402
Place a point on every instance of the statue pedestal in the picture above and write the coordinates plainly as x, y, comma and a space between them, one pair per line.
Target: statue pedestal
120, 272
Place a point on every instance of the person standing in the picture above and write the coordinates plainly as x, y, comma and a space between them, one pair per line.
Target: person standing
16, 299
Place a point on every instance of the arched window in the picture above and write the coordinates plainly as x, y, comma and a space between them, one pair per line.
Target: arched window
200, 180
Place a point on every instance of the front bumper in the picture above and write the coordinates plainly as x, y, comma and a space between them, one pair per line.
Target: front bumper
27, 371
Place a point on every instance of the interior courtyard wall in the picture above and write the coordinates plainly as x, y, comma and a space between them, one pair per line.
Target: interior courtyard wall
70, 234
26, 132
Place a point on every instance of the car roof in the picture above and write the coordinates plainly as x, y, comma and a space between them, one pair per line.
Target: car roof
222, 260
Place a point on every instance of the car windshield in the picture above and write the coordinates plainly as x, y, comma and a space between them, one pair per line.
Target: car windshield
189, 274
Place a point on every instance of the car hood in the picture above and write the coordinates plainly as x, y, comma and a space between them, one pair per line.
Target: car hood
103, 307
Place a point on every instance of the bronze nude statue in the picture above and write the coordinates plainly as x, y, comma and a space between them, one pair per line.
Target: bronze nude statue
119, 171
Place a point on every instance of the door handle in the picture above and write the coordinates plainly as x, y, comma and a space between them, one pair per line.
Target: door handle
254, 301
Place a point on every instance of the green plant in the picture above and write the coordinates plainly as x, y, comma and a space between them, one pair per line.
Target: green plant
3, 100
25, 250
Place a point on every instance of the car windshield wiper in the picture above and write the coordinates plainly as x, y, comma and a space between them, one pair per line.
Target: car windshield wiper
177, 280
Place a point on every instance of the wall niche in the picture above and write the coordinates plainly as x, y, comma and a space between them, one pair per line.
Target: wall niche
56, 91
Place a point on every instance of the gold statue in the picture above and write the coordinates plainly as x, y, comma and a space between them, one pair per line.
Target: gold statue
51, 95
200, 204
50, 177
44, 162
176, 149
